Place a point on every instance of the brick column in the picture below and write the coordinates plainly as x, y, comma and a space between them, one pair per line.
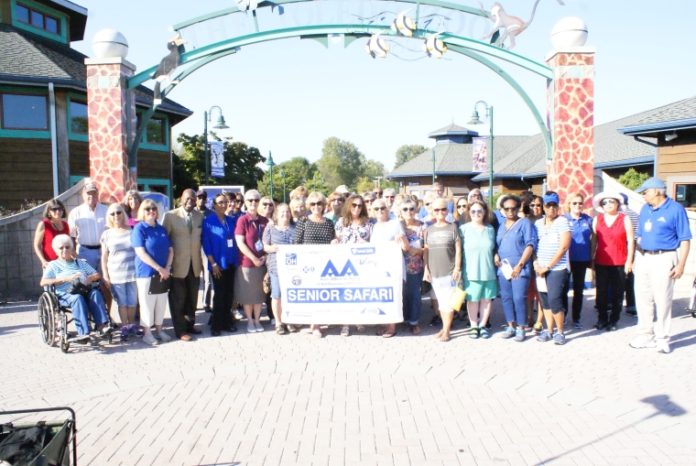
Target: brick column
112, 126
571, 117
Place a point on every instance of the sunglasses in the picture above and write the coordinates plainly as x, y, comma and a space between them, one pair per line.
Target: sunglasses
253, 200
380, 208
65, 248
337, 200
609, 201
408, 209
118, 212
357, 205
551, 205
222, 203
510, 209
389, 197
534, 205
267, 204
443, 209
55, 209
576, 203
462, 206
476, 211
150, 209
314, 204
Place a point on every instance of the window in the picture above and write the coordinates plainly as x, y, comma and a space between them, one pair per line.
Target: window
37, 19
685, 194
155, 131
21, 111
78, 118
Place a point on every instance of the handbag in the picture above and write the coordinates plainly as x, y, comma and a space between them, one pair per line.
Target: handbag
77, 287
266, 283
457, 298
159, 286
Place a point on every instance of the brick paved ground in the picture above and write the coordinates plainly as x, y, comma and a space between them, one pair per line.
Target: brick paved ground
267, 399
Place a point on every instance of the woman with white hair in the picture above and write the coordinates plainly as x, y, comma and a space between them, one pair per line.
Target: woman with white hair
65, 273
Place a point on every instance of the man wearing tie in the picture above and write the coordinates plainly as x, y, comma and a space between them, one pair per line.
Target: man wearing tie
184, 226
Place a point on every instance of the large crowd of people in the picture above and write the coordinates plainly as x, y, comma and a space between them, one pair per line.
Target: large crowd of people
529, 251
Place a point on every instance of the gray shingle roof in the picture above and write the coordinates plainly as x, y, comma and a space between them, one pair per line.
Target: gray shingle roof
681, 110
452, 129
27, 58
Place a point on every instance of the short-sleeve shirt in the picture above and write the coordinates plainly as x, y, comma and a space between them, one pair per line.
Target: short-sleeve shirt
252, 230
156, 243
353, 233
274, 235
514, 240
663, 227
384, 232
478, 245
60, 268
581, 238
441, 244
550, 240
87, 225
414, 236
121, 261
308, 231
217, 239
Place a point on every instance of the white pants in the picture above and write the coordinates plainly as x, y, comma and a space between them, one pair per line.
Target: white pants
152, 306
443, 288
654, 289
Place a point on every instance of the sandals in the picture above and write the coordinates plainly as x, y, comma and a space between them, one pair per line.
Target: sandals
281, 329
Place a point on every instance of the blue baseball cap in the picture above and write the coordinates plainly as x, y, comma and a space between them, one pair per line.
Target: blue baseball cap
551, 197
651, 183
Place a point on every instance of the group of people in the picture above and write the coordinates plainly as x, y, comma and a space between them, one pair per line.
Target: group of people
529, 251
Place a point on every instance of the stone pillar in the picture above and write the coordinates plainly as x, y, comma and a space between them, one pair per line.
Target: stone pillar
112, 126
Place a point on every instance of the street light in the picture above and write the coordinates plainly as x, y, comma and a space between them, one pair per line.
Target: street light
270, 164
207, 116
282, 176
475, 120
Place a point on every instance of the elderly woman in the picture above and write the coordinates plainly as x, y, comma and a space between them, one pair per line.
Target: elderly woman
131, 204
353, 226
443, 263
580, 253
66, 270
414, 231
153, 263
118, 266
298, 208
248, 286
516, 241
335, 207
315, 229
613, 257
479, 244
551, 266
280, 232
220, 248
51, 225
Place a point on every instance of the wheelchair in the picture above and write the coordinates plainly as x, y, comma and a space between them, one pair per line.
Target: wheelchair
54, 319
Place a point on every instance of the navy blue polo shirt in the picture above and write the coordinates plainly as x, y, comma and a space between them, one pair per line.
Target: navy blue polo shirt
663, 227
581, 231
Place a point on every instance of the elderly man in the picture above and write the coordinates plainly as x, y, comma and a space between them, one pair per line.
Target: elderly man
184, 226
87, 223
663, 245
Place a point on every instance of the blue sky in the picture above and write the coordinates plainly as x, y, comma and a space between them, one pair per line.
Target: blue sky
289, 96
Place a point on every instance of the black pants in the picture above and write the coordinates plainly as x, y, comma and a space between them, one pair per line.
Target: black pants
577, 279
610, 289
630, 294
222, 300
183, 298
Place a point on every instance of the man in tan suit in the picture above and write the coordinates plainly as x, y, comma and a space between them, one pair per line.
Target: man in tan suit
184, 225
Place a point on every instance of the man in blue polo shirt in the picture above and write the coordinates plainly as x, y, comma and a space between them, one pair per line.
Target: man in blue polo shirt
663, 245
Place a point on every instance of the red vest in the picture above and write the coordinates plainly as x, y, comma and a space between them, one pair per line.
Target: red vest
612, 248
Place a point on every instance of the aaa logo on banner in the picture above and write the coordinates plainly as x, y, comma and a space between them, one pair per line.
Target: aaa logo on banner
341, 283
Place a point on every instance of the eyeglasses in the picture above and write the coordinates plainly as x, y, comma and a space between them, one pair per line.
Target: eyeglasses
356, 205
609, 201
443, 209
510, 209
379, 208
534, 205
150, 209
314, 204
476, 211
427, 204
267, 204
118, 212
576, 203
408, 209
462, 206
253, 200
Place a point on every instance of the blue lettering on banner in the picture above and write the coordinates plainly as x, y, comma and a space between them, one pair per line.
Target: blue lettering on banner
362, 251
331, 271
340, 295
291, 259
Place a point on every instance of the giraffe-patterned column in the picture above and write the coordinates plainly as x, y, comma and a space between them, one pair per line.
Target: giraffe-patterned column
112, 126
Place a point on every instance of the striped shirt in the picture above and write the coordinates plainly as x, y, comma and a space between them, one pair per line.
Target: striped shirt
550, 240
121, 261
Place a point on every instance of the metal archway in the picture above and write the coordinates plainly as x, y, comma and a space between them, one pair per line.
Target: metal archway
427, 13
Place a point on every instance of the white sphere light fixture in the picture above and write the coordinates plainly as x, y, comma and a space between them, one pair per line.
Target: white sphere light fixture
109, 43
569, 32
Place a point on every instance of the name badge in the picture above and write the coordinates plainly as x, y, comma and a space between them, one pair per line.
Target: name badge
259, 245
230, 243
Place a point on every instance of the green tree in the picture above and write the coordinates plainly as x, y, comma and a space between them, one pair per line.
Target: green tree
241, 164
317, 183
297, 171
340, 163
632, 179
408, 152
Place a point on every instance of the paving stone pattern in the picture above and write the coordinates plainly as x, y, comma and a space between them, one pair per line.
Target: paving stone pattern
264, 399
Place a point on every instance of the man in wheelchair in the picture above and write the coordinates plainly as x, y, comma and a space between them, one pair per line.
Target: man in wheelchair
75, 286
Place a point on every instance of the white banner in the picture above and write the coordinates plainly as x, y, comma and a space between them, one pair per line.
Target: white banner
217, 159
480, 154
341, 283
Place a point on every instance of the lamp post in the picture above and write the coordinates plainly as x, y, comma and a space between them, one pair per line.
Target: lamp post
282, 177
475, 120
207, 116
270, 164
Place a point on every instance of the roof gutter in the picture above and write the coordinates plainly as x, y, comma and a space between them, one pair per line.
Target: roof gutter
687, 123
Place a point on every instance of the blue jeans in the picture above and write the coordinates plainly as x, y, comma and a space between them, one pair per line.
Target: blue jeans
513, 294
81, 308
412, 297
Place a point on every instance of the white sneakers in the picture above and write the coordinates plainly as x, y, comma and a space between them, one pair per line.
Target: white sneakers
663, 346
645, 341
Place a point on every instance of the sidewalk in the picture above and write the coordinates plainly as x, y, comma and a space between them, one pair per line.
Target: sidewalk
256, 399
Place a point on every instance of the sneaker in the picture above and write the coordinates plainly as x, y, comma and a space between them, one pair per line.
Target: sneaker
164, 337
643, 341
250, 327
577, 325
485, 333
258, 327
105, 330
124, 333
520, 334
150, 339
509, 332
631, 310
474, 333
559, 338
237, 315
663, 346
544, 336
